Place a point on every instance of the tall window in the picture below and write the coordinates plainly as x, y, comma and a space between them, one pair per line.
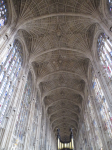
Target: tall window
103, 107
110, 5
94, 124
9, 72
105, 54
22, 120
3, 13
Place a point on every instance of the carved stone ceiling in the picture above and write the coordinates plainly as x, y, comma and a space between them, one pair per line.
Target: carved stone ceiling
59, 36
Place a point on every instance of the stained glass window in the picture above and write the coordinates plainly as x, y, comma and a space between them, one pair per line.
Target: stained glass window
94, 124
9, 71
3, 13
103, 106
23, 115
110, 5
105, 54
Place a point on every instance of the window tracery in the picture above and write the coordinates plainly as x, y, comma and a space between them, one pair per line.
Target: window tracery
94, 124
3, 13
9, 72
103, 107
110, 5
105, 54
23, 115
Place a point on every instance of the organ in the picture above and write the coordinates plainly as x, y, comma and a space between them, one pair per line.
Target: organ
65, 145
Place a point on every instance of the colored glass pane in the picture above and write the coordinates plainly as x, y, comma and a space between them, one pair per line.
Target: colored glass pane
94, 123
23, 115
104, 108
9, 67
110, 5
3, 13
105, 54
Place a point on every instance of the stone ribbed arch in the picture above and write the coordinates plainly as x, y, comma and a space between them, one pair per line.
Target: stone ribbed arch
92, 17
60, 72
61, 121
64, 125
64, 114
50, 35
38, 9
62, 81
85, 16
63, 104
65, 109
62, 94
46, 91
65, 100
37, 55
65, 130
57, 116
61, 88
60, 118
59, 36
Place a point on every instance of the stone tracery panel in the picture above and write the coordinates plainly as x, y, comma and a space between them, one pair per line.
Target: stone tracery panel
9, 73
3, 13
23, 115
49, 7
103, 107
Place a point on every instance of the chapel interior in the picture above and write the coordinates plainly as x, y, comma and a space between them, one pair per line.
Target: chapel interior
55, 74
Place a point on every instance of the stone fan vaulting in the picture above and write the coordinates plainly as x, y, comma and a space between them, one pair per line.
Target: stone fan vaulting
58, 35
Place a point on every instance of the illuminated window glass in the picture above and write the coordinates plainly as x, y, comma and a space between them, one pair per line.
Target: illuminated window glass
94, 124
9, 72
23, 115
110, 5
3, 13
104, 108
105, 54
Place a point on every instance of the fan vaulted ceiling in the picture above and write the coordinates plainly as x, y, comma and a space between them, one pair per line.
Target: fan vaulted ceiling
59, 36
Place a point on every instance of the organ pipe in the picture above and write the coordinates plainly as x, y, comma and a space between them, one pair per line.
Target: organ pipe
62, 145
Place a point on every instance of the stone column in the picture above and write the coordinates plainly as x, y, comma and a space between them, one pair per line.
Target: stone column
91, 127
47, 132
43, 128
38, 131
30, 122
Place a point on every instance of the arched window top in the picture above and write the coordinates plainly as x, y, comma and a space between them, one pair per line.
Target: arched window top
110, 5
17, 44
101, 41
29, 80
3, 13
18, 47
